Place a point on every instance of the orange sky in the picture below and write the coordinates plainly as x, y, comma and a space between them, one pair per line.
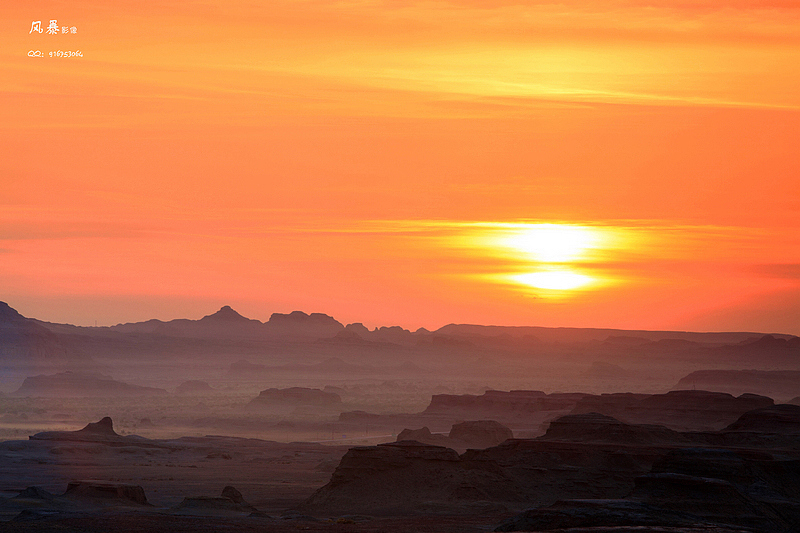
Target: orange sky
363, 159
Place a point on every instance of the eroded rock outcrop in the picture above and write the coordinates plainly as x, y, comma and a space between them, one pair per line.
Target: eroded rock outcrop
230, 501
595, 427
100, 431
400, 478
424, 436
413, 478
712, 488
35, 493
696, 486
462, 436
33, 502
300, 324
108, 492
104, 426
684, 410
584, 456
294, 397
775, 419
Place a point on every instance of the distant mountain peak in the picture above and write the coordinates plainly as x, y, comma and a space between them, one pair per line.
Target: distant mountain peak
299, 317
226, 313
302, 324
9, 314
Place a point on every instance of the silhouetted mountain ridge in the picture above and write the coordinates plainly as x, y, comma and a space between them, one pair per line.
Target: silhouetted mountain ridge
22, 338
299, 337
227, 322
579, 335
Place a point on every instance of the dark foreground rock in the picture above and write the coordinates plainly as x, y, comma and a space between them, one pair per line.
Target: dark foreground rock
231, 501
574, 514
689, 488
397, 478
586, 456
158, 522
81, 497
750, 484
412, 478
116, 492
34, 493
590, 473
776, 419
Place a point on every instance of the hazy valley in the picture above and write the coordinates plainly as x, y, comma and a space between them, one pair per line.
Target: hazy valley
289, 413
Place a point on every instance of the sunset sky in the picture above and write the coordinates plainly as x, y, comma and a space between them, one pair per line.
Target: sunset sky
600, 163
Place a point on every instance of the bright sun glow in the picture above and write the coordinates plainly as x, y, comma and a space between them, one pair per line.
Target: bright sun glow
557, 258
553, 243
556, 280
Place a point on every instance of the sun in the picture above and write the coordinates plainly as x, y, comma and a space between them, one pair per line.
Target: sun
552, 243
554, 280
557, 259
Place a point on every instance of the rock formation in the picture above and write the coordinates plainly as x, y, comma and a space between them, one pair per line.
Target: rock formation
780, 384
230, 500
711, 489
104, 426
412, 478
594, 427
781, 419
117, 492
300, 324
295, 396
81, 385
101, 431
424, 436
584, 456
463, 435
396, 478
501, 405
685, 410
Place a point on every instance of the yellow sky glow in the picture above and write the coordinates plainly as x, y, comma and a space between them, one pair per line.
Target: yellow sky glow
554, 280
